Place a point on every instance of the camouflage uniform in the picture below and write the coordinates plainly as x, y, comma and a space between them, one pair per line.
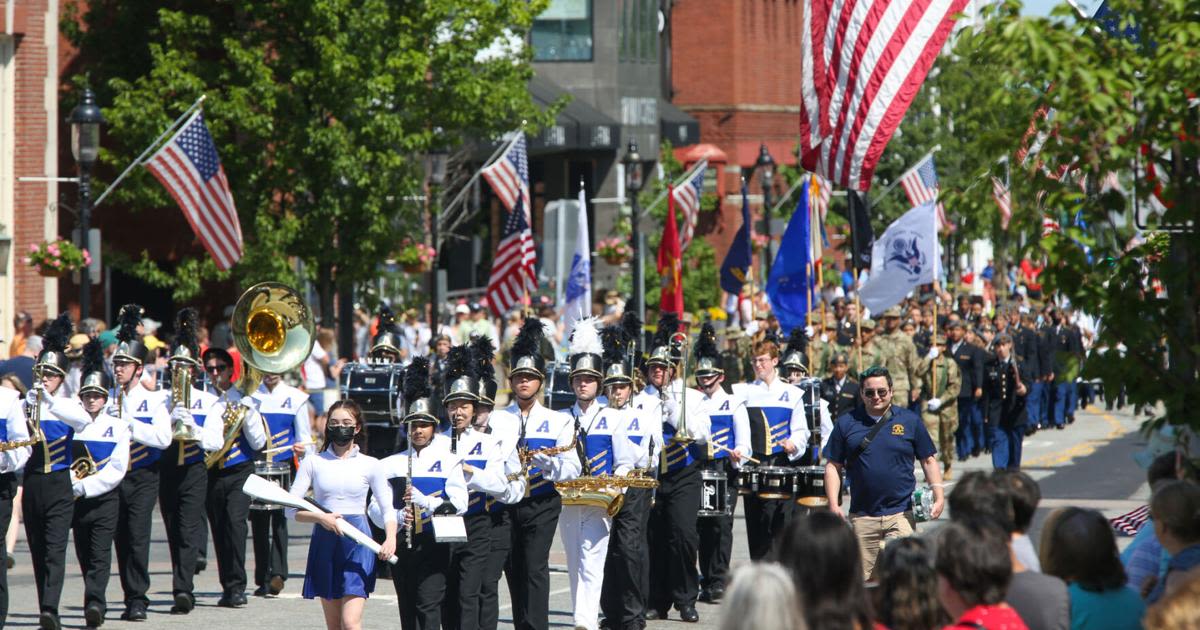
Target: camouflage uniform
944, 422
899, 356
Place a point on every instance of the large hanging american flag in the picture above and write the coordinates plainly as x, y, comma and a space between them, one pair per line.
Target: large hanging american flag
513, 276
687, 199
921, 185
862, 62
190, 169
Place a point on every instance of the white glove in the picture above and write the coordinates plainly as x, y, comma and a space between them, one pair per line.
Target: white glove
420, 500
543, 461
933, 353
1078, 379
809, 332
77, 489
934, 404
181, 414
824, 338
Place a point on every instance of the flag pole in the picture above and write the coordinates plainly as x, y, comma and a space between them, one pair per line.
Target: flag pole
933, 372
153, 145
504, 146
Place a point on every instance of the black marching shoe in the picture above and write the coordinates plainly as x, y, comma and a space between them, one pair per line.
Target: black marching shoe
134, 612
49, 621
93, 615
688, 613
232, 600
706, 596
261, 591
201, 565
184, 603
275, 585
653, 614
716, 592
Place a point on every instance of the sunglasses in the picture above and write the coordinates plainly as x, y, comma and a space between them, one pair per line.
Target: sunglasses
876, 393
215, 368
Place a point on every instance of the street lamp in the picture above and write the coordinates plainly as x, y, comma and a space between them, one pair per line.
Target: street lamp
633, 184
766, 171
85, 121
435, 176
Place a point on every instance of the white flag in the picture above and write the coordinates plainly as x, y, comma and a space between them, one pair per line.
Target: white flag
903, 258
579, 284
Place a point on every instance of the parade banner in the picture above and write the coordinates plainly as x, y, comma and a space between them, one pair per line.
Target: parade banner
790, 286
736, 267
670, 263
578, 293
905, 257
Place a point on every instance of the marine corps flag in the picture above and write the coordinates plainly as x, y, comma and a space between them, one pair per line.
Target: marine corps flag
669, 263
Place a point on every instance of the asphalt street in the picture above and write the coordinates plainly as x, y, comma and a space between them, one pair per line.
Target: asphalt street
1088, 464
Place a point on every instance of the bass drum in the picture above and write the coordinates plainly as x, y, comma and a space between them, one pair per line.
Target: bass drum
376, 388
559, 394
714, 494
278, 473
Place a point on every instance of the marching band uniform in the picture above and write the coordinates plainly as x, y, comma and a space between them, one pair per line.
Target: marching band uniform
47, 503
285, 411
504, 427
97, 503
12, 428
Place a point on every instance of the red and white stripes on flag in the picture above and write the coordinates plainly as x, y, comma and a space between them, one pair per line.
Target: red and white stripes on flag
1049, 226
190, 169
862, 62
513, 275
1129, 523
921, 185
1003, 197
687, 194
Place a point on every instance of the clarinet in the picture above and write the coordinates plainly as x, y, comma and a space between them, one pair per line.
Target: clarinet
580, 449
408, 535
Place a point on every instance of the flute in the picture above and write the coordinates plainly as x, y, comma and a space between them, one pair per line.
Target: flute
408, 534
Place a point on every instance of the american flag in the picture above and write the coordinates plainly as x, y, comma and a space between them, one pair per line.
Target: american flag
687, 199
513, 276
863, 61
1129, 523
1049, 226
190, 169
1003, 197
921, 185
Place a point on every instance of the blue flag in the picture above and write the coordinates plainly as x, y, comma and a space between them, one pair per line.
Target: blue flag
736, 268
790, 287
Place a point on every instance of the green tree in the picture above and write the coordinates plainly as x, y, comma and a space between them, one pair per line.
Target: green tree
320, 110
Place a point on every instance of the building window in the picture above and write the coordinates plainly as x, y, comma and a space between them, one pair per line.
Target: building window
563, 32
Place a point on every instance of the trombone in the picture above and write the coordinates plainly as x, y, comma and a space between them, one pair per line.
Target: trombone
679, 342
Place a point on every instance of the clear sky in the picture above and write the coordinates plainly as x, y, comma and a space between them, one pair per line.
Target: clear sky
1043, 7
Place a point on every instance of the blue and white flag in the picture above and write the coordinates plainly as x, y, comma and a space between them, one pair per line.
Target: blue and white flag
905, 257
579, 284
790, 287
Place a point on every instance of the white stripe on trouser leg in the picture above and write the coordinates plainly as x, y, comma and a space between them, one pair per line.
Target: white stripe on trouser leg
584, 533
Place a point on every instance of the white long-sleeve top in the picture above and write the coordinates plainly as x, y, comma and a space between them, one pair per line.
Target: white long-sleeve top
546, 428
783, 402
107, 442
488, 478
15, 429
645, 427
153, 421
605, 426
436, 476
253, 433
506, 428
697, 420
727, 414
339, 484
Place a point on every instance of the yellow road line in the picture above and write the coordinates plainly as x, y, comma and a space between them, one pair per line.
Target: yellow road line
1079, 450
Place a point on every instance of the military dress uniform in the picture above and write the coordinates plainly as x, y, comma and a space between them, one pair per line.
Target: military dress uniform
969, 438
1004, 411
841, 396
97, 506
942, 422
12, 428
730, 431
285, 411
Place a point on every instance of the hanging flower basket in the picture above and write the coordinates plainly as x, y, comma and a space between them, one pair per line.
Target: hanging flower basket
55, 259
615, 251
758, 242
415, 257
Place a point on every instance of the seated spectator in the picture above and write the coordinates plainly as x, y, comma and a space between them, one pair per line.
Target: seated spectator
908, 587
1025, 495
1078, 546
821, 552
1145, 559
762, 595
1178, 609
1175, 509
1041, 600
974, 569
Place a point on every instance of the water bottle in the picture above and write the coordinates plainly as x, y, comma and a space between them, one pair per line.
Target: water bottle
922, 500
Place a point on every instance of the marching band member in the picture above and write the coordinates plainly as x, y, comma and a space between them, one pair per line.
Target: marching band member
727, 448
48, 502
422, 481
627, 568
285, 411
604, 450
339, 571
674, 539
12, 429
483, 469
546, 438
794, 364
228, 468
150, 432
183, 481
104, 446
385, 350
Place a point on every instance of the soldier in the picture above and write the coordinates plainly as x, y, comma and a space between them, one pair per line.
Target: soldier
900, 358
941, 382
864, 352
969, 438
1004, 405
839, 390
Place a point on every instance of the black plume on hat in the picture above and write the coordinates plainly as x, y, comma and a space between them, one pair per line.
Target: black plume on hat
668, 325
706, 344
58, 334
797, 342
529, 340
459, 363
773, 337
387, 319
187, 321
632, 326
615, 340
93, 357
483, 351
128, 321
416, 380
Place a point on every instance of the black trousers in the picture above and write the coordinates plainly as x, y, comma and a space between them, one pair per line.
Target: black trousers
227, 510
767, 518
181, 493
137, 492
627, 566
270, 544
716, 533
468, 560
8, 491
528, 569
47, 506
674, 540
498, 552
94, 525
420, 581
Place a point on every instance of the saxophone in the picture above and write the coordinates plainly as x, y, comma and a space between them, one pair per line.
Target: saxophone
232, 419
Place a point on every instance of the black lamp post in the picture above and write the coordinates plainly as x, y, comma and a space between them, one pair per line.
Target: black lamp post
766, 171
435, 176
85, 121
633, 185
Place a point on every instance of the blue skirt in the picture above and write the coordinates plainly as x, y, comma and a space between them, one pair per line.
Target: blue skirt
338, 566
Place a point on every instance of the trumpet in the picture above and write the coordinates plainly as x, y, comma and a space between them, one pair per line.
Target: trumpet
83, 467
679, 341
15, 444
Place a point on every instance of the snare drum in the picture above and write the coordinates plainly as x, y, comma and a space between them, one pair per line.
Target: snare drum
714, 494
376, 389
810, 486
776, 482
278, 473
748, 480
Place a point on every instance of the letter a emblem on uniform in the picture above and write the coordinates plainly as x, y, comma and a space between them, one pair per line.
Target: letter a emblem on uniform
108, 432
198, 404
287, 403
477, 449
784, 398
436, 467
633, 426
144, 406
544, 427
603, 424
725, 405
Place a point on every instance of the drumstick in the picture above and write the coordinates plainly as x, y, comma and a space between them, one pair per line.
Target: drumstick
279, 449
745, 457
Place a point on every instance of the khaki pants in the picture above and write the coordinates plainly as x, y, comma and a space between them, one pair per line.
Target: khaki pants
873, 533
941, 426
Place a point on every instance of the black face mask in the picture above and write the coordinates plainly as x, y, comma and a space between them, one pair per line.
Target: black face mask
339, 435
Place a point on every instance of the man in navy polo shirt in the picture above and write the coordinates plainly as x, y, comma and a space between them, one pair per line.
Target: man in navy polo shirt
881, 472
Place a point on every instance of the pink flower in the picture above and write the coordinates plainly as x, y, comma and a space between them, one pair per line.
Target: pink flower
33, 247
53, 249
87, 258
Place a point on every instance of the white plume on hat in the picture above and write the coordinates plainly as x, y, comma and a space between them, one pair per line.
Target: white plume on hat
586, 337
